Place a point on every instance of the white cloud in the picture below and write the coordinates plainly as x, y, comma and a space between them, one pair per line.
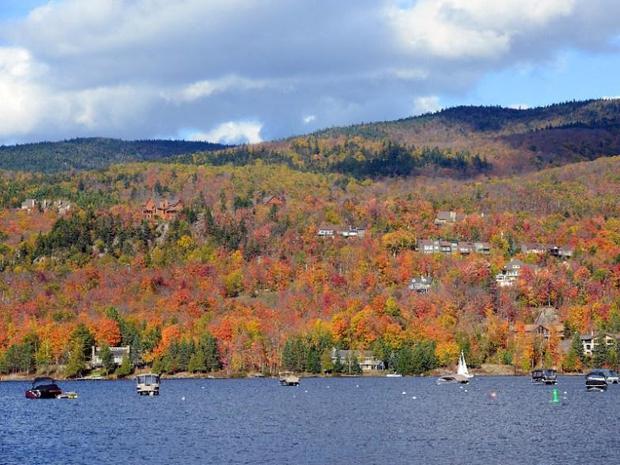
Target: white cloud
138, 68
232, 132
428, 104
309, 119
473, 29
206, 88
20, 96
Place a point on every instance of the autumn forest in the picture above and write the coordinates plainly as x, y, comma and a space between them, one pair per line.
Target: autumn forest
264, 258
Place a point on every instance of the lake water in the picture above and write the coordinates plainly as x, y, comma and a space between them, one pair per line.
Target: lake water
323, 421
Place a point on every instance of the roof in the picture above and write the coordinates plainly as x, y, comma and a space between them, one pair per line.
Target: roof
547, 316
514, 264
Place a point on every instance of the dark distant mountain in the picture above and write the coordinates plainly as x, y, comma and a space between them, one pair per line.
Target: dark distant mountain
93, 153
462, 141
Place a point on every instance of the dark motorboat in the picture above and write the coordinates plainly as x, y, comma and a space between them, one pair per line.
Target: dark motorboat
596, 381
43, 388
544, 377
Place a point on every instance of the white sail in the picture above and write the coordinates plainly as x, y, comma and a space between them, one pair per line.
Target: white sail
462, 368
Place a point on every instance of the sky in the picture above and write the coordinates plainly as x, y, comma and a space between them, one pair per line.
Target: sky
250, 70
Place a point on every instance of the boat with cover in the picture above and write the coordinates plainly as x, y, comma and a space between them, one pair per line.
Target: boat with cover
43, 387
544, 377
148, 384
461, 376
596, 381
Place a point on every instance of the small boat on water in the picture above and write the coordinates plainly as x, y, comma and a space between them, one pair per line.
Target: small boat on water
596, 381
147, 384
393, 375
461, 376
43, 387
549, 377
289, 379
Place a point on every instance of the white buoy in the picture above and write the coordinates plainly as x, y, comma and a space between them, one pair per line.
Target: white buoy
414, 397
404, 393
183, 398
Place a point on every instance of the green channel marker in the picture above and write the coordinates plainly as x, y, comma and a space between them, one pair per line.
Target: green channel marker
555, 396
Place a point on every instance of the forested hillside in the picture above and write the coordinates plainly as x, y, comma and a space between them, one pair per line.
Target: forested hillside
461, 142
92, 153
243, 277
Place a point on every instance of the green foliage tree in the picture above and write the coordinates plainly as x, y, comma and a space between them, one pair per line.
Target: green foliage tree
208, 345
125, 368
233, 284
43, 356
327, 365
600, 352
85, 337
76, 363
417, 359
107, 359
197, 362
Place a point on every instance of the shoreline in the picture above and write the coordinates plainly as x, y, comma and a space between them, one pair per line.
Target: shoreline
187, 375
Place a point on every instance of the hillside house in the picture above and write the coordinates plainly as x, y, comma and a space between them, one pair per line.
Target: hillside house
164, 209
277, 200
421, 285
326, 231
445, 217
465, 248
29, 205
332, 231
561, 252
534, 248
590, 341
482, 248
353, 232
431, 246
511, 273
365, 359
62, 206
117, 353
546, 322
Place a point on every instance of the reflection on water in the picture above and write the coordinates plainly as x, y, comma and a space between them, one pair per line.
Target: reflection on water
498, 420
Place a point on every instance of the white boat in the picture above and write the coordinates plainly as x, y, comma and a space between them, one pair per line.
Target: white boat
289, 379
462, 374
393, 375
462, 368
148, 384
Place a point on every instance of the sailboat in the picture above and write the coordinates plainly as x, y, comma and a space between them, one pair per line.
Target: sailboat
462, 374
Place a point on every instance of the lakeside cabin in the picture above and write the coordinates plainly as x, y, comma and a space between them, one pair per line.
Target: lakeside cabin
117, 353
365, 359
